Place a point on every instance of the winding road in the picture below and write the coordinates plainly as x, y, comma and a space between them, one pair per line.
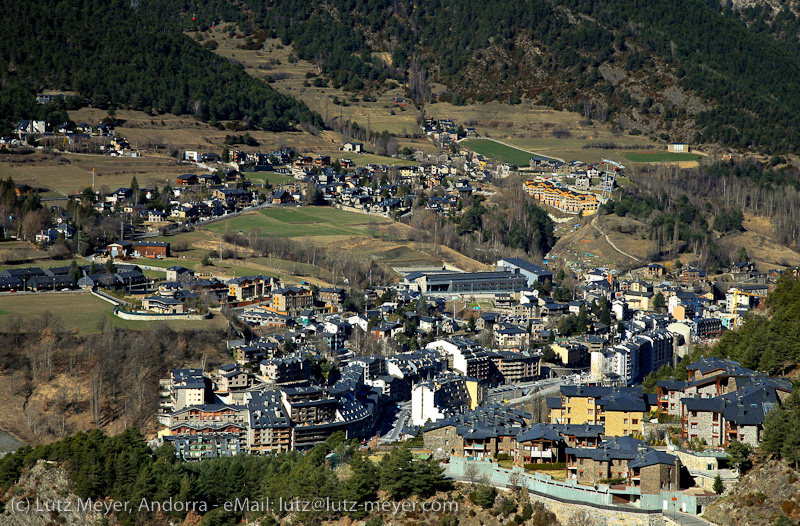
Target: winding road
615, 247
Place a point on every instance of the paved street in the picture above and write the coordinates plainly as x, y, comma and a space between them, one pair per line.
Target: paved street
685, 519
399, 423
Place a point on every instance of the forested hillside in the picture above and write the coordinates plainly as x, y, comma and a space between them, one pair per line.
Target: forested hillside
687, 210
770, 344
125, 469
125, 54
767, 341
677, 70
680, 69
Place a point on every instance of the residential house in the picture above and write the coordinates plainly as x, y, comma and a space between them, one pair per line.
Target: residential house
280, 197
180, 274
163, 305
620, 410
291, 299
187, 180
249, 287
151, 249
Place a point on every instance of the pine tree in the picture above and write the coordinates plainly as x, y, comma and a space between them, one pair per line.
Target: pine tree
397, 473
739, 455
135, 193
605, 313
362, 486
718, 486
582, 321
658, 300
742, 255
776, 427
75, 271
791, 444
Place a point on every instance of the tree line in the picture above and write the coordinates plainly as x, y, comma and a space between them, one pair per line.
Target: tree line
429, 42
512, 225
124, 468
678, 205
131, 57
768, 343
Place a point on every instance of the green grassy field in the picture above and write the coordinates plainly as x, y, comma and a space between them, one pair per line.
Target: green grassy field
299, 222
660, 157
83, 312
495, 150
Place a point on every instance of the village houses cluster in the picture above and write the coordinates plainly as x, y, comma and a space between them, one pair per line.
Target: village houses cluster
316, 362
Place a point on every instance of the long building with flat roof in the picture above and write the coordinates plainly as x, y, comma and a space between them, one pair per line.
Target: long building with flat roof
468, 282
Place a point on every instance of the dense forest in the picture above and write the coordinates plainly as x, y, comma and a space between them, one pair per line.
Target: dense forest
555, 52
125, 469
609, 60
126, 55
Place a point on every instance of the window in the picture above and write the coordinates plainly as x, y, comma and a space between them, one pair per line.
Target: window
635, 421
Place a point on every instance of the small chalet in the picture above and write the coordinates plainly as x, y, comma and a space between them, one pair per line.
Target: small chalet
187, 180
120, 249
151, 249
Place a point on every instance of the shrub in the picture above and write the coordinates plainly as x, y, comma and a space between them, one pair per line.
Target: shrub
614, 480
557, 466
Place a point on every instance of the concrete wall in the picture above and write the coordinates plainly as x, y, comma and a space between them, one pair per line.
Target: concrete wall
142, 316
570, 498
570, 513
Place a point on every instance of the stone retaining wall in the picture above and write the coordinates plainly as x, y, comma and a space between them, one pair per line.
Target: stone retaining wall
571, 513
146, 316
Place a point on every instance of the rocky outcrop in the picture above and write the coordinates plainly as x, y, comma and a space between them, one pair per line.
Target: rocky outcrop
42, 498
767, 491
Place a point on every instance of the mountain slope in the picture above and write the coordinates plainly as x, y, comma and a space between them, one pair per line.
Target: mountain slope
768, 492
115, 53
681, 68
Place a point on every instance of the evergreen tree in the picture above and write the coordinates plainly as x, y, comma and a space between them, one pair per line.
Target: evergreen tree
739, 455
397, 474
718, 486
362, 486
75, 271
135, 193
742, 255
582, 321
658, 301
605, 313
776, 428
484, 495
